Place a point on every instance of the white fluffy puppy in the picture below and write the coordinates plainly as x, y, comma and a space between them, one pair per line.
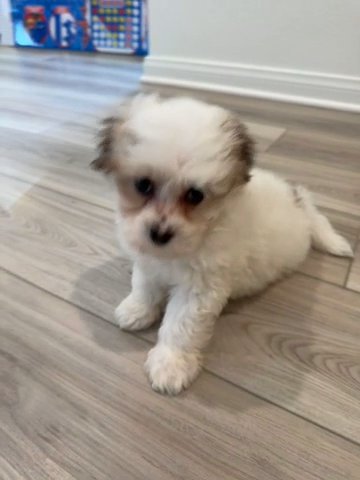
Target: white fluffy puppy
200, 224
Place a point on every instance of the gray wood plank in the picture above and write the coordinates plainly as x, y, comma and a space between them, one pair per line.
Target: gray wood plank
327, 149
70, 78
333, 187
45, 238
298, 345
77, 405
24, 121
59, 160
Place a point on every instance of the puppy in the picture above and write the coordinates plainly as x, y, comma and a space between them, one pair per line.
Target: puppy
200, 223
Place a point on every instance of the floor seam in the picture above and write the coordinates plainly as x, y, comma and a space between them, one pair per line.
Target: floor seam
313, 277
275, 141
291, 412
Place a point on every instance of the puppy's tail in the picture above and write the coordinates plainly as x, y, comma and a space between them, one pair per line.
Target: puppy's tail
323, 235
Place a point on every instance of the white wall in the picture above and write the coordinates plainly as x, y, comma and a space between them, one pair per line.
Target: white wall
6, 33
304, 50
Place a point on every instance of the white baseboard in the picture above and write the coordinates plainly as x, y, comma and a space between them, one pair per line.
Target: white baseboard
317, 89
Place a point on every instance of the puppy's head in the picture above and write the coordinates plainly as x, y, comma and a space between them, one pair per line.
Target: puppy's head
175, 163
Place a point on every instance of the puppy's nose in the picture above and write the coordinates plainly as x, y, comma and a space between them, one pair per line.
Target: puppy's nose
159, 236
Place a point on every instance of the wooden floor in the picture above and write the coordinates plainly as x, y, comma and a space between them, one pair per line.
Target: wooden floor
280, 396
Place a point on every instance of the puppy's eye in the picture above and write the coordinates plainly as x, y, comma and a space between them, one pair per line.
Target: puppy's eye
145, 186
193, 196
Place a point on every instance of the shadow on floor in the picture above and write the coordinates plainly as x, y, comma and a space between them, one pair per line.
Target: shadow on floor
99, 290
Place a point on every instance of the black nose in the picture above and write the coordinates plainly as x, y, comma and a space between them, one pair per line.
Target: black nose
160, 237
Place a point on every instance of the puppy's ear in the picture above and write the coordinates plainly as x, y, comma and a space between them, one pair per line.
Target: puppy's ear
104, 161
241, 147
247, 154
114, 137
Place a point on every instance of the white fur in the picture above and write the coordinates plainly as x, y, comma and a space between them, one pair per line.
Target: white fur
257, 233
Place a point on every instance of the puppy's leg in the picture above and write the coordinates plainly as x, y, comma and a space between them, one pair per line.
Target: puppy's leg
143, 306
187, 327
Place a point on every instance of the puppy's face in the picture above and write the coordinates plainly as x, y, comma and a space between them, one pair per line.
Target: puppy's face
174, 162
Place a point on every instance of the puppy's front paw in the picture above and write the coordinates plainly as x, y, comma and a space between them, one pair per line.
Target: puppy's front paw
171, 371
134, 315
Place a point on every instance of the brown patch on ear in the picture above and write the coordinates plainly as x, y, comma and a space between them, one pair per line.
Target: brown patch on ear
242, 146
247, 154
104, 160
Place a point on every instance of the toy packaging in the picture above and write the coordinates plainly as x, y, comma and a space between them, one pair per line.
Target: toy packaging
87, 25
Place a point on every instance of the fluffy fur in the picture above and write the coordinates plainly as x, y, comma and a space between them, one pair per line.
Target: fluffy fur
249, 229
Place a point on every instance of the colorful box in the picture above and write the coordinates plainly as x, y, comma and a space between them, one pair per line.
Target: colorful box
85, 25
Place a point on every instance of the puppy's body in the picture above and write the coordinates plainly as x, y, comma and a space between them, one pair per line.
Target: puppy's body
198, 230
